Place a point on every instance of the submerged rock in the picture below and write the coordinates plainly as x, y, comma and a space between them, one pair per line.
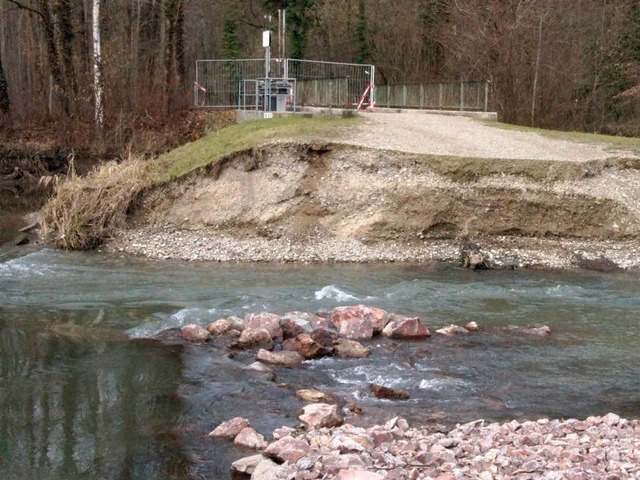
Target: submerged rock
345, 348
230, 429
261, 368
284, 358
405, 327
380, 391
472, 326
195, 333
311, 395
452, 330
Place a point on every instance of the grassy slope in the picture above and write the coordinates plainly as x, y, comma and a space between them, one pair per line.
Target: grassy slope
215, 146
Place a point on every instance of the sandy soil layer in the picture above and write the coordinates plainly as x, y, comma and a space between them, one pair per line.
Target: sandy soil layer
344, 202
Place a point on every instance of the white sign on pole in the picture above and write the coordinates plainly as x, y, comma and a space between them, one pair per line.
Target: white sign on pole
266, 38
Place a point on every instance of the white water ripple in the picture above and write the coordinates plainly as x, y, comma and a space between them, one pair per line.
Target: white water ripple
334, 292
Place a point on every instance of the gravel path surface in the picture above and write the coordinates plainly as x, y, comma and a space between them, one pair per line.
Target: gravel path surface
466, 137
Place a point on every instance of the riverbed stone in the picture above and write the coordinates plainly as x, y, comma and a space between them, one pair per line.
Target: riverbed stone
325, 337
472, 326
380, 391
230, 429
320, 415
265, 320
284, 358
254, 338
288, 449
402, 327
345, 348
305, 346
269, 470
261, 368
236, 323
219, 327
248, 437
354, 322
195, 333
293, 325
352, 474
452, 330
332, 464
311, 395
247, 465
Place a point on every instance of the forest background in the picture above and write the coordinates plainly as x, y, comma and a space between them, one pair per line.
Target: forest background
561, 64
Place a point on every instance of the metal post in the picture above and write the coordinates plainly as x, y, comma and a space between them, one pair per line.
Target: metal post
372, 94
421, 95
404, 96
486, 95
440, 94
196, 89
388, 95
461, 96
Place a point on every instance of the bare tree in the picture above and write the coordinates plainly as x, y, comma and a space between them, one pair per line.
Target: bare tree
98, 88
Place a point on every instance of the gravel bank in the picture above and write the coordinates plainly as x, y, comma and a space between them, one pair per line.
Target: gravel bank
501, 252
597, 448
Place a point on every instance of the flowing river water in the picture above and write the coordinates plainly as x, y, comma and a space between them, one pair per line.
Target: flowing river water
85, 393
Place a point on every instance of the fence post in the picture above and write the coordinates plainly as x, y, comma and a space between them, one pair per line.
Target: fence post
388, 95
440, 93
404, 96
486, 95
421, 95
461, 96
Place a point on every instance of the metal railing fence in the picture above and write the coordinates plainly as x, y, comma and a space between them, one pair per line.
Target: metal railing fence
438, 96
327, 84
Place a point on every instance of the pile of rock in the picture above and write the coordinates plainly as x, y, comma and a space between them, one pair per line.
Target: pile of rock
596, 448
289, 339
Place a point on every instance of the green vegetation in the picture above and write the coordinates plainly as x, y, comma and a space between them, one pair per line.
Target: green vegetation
628, 143
246, 135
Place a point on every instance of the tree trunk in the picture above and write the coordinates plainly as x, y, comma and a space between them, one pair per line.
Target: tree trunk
52, 55
97, 70
5, 103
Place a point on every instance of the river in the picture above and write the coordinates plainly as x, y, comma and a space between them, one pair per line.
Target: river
86, 394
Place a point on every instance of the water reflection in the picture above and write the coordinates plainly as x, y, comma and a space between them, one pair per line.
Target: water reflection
78, 409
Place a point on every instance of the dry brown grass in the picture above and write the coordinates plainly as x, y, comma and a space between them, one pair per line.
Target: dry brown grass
84, 211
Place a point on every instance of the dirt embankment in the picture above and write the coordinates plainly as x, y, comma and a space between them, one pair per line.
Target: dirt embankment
394, 206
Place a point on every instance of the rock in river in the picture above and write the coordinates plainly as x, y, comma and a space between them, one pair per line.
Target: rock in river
305, 346
284, 358
195, 333
344, 348
253, 338
248, 437
230, 429
268, 321
358, 322
405, 327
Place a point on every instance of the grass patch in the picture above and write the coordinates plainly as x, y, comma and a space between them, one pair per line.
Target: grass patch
615, 142
246, 135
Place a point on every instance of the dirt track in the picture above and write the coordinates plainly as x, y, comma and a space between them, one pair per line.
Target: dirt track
466, 137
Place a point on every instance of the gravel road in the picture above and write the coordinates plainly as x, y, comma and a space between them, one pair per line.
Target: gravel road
467, 137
